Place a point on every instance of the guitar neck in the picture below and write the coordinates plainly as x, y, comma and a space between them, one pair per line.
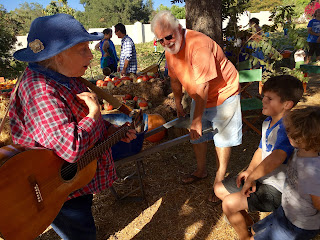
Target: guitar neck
102, 147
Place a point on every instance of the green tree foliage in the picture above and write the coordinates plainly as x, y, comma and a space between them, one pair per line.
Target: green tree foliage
178, 12
25, 14
104, 13
9, 27
281, 17
231, 9
262, 5
299, 5
60, 6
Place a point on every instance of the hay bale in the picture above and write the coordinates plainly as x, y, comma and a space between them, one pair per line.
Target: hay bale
5, 136
150, 91
166, 112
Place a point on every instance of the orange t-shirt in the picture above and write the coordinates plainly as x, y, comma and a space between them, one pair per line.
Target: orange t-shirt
202, 60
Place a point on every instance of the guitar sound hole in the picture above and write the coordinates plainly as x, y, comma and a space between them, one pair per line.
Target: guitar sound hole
69, 170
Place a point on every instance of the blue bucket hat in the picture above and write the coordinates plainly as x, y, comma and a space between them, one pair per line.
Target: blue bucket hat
51, 35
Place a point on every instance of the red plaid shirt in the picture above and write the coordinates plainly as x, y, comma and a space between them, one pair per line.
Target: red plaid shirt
46, 113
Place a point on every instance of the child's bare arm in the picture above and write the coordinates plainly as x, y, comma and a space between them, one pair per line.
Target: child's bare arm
255, 161
270, 163
316, 201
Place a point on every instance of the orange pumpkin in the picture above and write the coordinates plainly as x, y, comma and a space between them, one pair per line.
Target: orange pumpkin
154, 121
107, 79
126, 78
109, 107
145, 78
99, 83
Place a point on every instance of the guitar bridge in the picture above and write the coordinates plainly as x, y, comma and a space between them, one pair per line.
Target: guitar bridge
37, 193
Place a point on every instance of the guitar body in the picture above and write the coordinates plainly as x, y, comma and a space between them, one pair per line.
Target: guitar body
33, 189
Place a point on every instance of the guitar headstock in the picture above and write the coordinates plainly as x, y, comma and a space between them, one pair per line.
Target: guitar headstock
137, 120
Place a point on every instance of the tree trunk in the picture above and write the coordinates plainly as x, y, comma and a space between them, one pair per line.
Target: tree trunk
205, 16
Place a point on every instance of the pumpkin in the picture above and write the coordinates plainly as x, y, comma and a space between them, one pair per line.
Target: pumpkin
110, 85
145, 78
135, 98
118, 83
109, 107
143, 105
128, 97
154, 121
139, 79
107, 79
99, 83
126, 78
150, 74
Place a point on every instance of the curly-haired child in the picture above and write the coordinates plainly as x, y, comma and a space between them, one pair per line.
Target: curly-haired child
298, 217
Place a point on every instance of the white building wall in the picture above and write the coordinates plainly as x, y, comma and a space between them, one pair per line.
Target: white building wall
141, 33
244, 18
263, 16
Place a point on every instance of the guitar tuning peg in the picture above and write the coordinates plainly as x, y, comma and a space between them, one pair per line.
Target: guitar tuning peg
134, 113
137, 119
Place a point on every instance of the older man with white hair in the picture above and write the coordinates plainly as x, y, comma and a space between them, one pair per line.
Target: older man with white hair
198, 64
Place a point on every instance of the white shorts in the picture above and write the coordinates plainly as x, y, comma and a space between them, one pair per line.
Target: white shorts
226, 119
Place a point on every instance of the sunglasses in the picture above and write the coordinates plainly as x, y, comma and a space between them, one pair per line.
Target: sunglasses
168, 38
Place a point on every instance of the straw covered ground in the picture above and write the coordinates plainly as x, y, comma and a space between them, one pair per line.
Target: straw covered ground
172, 211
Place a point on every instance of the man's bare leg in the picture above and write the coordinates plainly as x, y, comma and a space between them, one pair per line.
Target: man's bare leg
200, 151
222, 160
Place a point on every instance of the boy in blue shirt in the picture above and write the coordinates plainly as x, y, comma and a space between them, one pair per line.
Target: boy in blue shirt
313, 36
259, 187
298, 217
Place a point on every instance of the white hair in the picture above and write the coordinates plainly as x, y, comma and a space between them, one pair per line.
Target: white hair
165, 20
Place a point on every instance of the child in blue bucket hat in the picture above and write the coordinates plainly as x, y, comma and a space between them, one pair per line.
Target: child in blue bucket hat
52, 109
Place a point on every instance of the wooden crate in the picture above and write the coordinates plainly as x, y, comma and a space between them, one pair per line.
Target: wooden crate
153, 68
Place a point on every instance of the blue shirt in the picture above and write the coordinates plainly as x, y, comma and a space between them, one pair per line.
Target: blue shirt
113, 59
315, 25
128, 52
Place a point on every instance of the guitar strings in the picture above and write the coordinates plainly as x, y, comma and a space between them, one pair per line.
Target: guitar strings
83, 161
70, 168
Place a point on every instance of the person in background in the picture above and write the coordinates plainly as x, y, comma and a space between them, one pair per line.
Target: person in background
298, 217
110, 49
256, 29
165, 68
53, 109
155, 44
128, 55
198, 64
108, 59
265, 28
257, 34
259, 187
313, 28
299, 57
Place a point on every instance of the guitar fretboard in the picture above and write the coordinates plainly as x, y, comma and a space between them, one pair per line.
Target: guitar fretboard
102, 147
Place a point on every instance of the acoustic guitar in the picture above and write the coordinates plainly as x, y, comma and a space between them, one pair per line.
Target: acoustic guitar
34, 184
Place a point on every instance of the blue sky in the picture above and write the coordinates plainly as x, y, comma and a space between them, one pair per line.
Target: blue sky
12, 4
